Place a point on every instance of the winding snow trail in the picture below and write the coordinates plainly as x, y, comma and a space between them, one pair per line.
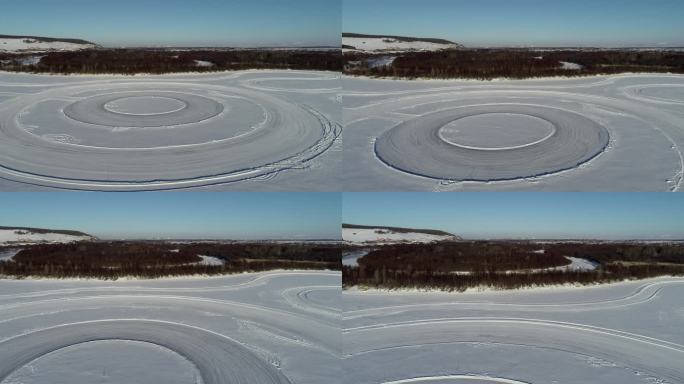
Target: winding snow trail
605, 133
275, 327
627, 332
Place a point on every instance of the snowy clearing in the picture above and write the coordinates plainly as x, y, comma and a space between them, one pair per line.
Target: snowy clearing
621, 333
210, 260
604, 133
571, 66
266, 130
276, 327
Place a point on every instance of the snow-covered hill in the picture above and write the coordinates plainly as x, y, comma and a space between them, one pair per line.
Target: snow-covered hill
386, 44
359, 234
34, 44
10, 236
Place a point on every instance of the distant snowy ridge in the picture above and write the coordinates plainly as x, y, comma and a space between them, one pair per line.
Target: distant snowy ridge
26, 236
381, 43
33, 44
378, 235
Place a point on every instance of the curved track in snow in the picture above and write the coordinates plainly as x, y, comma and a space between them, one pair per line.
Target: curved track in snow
218, 359
157, 133
234, 329
608, 133
572, 141
627, 333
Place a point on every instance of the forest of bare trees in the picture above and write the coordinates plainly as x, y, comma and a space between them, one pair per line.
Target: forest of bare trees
132, 61
486, 64
508, 265
111, 260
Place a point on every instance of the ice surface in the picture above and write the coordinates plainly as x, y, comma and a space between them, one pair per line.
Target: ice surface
620, 333
609, 133
246, 130
274, 327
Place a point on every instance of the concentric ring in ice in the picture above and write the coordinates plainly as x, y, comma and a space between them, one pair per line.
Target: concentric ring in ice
430, 145
145, 105
230, 329
497, 131
143, 109
156, 134
392, 134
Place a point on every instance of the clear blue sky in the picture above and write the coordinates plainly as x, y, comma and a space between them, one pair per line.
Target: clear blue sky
179, 215
523, 22
178, 22
524, 215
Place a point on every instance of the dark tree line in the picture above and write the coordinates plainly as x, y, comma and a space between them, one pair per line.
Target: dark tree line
383, 278
111, 260
620, 252
132, 61
458, 266
461, 256
486, 64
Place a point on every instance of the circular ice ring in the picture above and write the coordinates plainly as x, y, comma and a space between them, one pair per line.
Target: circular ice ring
97, 110
534, 131
416, 146
129, 104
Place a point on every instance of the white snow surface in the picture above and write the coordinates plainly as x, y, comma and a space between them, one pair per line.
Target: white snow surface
23, 237
203, 63
389, 44
381, 236
210, 260
273, 327
571, 66
20, 45
602, 133
578, 264
244, 130
628, 333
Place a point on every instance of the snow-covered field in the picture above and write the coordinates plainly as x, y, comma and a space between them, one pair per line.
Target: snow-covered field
380, 236
389, 44
22, 237
276, 327
604, 133
247, 130
628, 333
9, 44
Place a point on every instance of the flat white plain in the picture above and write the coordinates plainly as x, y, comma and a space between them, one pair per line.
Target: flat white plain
246, 130
608, 133
621, 333
274, 327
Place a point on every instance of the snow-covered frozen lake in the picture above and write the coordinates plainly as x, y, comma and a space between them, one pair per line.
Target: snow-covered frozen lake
603, 133
246, 130
628, 333
275, 327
